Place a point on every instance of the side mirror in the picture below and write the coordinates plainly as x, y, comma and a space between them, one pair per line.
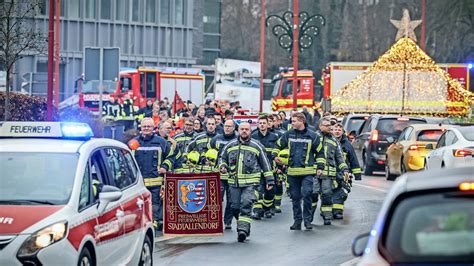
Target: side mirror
107, 195
359, 244
390, 139
429, 146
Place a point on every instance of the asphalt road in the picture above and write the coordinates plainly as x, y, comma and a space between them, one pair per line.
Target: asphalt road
272, 242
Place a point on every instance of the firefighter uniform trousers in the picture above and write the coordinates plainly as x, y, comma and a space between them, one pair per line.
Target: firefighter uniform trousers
242, 200
301, 188
322, 187
264, 200
225, 193
339, 194
278, 194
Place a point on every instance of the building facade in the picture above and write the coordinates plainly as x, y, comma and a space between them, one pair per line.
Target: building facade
148, 33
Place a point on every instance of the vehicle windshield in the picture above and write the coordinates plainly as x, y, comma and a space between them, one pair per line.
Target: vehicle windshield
354, 124
36, 177
276, 88
393, 126
432, 228
467, 133
430, 135
93, 87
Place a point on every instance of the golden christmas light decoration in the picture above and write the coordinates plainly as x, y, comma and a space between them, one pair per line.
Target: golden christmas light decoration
404, 80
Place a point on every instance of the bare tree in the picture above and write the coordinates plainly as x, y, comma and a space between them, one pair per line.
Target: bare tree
18, 37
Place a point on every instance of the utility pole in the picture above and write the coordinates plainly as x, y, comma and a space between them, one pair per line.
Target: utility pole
295, 51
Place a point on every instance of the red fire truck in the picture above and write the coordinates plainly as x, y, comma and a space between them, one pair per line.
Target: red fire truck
145, 83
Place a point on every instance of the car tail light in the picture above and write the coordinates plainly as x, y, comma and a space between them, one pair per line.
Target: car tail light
413, 147
380, 161
462, 152
374, 135
403, 119
466, 186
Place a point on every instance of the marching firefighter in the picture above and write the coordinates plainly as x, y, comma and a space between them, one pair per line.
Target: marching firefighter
280, 178
182, 140
153, 155
218, 143
263, 207
332, 162
245, 161
127, 113
344, 184
201, 141
111, 111
304, 148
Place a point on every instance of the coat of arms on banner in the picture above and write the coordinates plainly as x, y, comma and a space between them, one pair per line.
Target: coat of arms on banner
192, 195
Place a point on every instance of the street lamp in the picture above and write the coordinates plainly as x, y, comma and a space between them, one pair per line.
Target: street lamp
295, 38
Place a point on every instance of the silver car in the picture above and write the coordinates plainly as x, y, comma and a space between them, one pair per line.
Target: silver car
426, 218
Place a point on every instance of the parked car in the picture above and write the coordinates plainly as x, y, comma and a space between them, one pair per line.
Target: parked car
371, 142
69, 199
407, 153
427, 218
353, 122
455, 148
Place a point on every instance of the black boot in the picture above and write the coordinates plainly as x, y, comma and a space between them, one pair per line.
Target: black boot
296, 226
268, 214
337, 216
257, 216
308, 226
241, 236
327, 222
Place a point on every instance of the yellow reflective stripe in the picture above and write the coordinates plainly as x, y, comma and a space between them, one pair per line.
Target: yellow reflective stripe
307, 153
326, 209
245, 219
342, 166
153, 181
320, 146
269, 149
257, 205
338, 206
159, 158
268, 174
249, 181
321, 160
314, 204
278, 197
168, 163
301, 171
244, 147
267, 203
356, 170
204, 140
330, 141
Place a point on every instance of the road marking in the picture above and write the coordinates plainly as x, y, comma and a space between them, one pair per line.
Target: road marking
369, 187
351, 262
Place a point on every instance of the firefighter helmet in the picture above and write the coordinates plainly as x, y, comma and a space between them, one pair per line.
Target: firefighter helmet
193, 157
283, 155
211, 155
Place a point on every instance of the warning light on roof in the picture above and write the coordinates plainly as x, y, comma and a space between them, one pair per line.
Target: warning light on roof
469, 65
76, 130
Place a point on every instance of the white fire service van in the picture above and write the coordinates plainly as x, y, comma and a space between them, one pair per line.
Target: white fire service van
67, 198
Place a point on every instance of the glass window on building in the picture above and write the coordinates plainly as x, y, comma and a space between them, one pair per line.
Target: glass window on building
136, 8
105, 9
211, 41
72, 7
150, 11
120, 10
89, 9
212, 16
165, 11
42, 7
179, 12
210, 57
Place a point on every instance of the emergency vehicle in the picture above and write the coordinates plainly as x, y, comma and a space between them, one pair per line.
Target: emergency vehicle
67, 198
307, 94
145, 83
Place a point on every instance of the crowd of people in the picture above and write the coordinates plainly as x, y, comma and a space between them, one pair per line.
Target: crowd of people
306, 155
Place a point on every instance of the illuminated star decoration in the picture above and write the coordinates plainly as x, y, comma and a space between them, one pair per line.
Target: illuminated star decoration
406, 27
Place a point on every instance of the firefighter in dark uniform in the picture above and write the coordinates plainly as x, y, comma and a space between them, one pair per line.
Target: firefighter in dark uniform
344, 185
111, 111
201, 142
265, 197
332, 162
154, 160
304, 147
182, 140
128, 112
218, 143
245, 160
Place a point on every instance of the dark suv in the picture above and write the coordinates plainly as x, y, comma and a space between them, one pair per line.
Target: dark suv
371, 142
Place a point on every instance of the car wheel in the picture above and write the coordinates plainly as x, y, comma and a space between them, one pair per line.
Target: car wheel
367, 169
389, 176
85, 258
146, 257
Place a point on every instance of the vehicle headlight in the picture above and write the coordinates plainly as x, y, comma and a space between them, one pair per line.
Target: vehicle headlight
43, 238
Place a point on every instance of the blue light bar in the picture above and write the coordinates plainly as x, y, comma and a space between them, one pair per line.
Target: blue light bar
76, 130
469, 65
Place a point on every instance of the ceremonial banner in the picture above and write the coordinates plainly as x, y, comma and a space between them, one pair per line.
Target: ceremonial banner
192, 205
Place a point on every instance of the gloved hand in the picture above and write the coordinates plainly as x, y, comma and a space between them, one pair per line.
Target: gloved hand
358, 176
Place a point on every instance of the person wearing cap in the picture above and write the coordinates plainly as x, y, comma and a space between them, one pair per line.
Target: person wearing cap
343, 184
154, 158
218, 142
305, 148
263, 207
245, 160
332, 162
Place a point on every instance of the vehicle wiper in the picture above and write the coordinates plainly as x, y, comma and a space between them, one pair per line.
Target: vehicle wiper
26, 202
